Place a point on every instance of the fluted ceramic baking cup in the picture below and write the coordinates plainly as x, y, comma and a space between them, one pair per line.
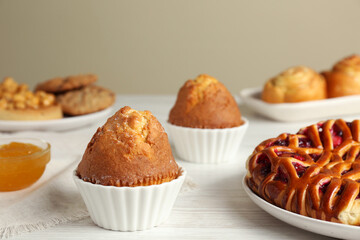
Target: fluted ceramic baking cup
129, 208
200, 145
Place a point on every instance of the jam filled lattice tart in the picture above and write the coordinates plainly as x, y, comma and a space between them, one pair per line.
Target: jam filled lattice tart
315, 172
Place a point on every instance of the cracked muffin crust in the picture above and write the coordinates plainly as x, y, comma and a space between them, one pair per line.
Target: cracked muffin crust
130, 149
205, 103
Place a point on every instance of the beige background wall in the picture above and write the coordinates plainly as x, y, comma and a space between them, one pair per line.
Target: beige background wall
152, 47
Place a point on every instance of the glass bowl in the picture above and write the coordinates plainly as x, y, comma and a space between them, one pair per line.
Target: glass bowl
21, 166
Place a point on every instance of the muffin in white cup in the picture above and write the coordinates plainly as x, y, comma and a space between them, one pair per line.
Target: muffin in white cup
205, 124
128, 177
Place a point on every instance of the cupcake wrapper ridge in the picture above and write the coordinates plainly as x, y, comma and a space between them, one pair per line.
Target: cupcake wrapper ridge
129, 208
207, 145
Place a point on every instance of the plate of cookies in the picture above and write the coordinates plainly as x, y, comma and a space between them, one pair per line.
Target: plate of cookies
57, 104
300, 93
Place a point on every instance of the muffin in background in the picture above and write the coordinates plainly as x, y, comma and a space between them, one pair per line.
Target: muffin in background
344, 78
205, 123
296, 84
205, 103
128, 177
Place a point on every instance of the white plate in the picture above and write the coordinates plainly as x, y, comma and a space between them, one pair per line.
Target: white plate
325, 228
290, 112
62, 124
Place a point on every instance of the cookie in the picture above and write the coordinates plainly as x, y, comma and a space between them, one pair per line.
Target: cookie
18, 103
85, 100
59, 85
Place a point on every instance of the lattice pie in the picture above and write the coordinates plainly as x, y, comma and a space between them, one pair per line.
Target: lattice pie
315, 172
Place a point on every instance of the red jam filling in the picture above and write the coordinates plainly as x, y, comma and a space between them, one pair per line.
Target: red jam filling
265, 164
320, 127
324, 186
300, 169
305, 143
315, 156
340, 190
279, 142
281, 176
336, 135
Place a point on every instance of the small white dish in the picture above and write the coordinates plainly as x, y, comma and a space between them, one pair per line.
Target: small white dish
208, 146
330, 229
291, 112
62, 124
129, 208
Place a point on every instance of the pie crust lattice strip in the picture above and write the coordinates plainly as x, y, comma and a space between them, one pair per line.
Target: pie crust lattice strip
315, 172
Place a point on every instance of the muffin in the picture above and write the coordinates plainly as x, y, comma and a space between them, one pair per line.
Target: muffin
128, 177
205, 103
205, 123
296, 84
131, 149
344, 78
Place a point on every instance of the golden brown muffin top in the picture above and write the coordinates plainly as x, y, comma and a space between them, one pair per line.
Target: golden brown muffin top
131, 149
205, 103
350, 65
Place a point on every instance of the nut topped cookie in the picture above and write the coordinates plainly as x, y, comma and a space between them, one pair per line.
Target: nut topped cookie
131, 149
62, 84
17, 102
86, 100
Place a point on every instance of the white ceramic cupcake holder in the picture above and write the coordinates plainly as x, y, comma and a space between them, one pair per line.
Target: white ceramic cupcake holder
129, 208
207, 145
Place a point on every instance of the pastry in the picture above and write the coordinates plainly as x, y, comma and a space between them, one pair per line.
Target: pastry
85, 100
205, 123
344, 78
315, 172
18, 103
128, 177
205, 103
296, 84
62, 84
131, 149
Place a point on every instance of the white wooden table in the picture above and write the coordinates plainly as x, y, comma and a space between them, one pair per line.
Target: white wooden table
217, 209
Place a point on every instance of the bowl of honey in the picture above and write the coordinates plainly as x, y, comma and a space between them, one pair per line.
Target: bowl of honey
22, 162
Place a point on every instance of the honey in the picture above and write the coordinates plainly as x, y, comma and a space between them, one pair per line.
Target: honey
22, 164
